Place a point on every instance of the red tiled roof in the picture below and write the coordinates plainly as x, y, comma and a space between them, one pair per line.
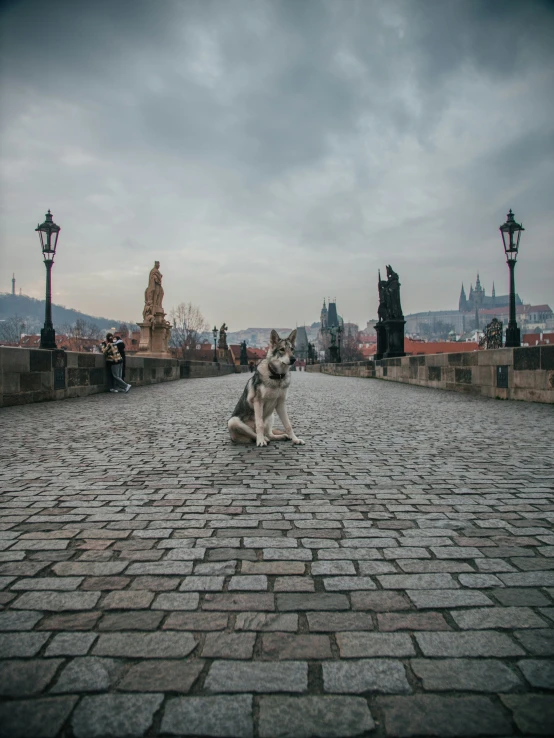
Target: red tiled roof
534, 339
438, 347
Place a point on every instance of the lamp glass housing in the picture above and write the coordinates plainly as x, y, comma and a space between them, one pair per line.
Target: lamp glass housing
511, 234
48, 232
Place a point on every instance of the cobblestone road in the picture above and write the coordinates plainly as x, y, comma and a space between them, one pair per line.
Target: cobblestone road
392, 577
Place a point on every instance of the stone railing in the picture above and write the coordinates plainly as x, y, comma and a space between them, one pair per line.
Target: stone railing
34, 375
346, 369
509, 374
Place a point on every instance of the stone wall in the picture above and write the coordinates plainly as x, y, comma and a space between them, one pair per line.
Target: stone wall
34, 375
350, 369
508, 374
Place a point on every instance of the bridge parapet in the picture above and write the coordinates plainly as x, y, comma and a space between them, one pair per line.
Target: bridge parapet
35, 375
525, 373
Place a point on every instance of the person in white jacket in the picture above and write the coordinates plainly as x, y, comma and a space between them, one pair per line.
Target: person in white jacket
115, 362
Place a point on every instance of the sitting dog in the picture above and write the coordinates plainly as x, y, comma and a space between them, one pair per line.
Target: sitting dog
265, 392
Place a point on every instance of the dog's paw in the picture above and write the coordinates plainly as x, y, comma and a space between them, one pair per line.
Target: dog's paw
261, 442
298, 441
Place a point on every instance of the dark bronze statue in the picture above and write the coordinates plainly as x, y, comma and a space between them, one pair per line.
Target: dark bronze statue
222, 343
393, 289
390, 328
243, 354
492, 337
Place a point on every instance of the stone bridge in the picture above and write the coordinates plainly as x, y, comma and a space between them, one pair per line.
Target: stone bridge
392, 577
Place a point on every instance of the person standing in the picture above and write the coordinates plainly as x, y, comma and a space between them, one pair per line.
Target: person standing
115, 362
119, 343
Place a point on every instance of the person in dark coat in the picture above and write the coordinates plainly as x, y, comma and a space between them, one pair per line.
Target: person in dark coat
115, 362
119, 343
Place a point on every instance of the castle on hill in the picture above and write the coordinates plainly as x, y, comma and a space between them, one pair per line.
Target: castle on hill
477, 299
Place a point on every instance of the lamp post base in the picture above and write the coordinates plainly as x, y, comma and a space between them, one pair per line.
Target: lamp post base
513, 337
48, 338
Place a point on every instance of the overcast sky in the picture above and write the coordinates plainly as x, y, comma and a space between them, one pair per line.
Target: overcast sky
271, 153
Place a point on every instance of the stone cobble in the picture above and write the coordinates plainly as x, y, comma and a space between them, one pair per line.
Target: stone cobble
392, 577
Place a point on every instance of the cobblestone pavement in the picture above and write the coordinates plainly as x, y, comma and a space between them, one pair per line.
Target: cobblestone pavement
392, 577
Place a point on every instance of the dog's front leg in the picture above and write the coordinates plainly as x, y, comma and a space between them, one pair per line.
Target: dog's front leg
284, 417
259, 421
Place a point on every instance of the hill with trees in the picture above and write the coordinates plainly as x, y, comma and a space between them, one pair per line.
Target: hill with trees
26, 315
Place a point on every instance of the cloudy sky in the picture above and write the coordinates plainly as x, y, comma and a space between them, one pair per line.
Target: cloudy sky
272, 152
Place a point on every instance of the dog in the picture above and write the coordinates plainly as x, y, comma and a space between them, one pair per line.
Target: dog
266, 392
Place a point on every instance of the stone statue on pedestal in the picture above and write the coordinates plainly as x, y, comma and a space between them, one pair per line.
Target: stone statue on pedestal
222, 343
390, 328
155, 330
243, 354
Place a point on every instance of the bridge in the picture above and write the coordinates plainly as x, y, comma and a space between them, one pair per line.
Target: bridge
392, 577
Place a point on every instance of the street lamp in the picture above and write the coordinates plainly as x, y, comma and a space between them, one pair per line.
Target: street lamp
511, 233
48, 233
214, 334
339, 333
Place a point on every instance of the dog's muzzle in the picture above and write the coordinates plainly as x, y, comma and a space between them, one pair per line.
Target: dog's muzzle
292, 360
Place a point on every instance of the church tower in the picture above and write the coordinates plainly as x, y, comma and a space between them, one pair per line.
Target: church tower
462, 305
324, 315
493, 296
479, 293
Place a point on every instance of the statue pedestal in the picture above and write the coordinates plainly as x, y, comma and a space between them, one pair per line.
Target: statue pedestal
381, 340
394, 338
154, 337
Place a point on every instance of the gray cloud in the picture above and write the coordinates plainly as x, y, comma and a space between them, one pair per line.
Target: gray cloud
276, 148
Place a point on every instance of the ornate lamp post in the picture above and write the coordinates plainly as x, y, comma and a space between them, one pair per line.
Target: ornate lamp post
339, 334
214, 334
48, 233
511, 233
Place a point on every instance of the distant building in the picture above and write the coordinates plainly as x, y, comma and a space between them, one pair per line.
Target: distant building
478, 299
301, 350
475, 311
253, 355
329, 319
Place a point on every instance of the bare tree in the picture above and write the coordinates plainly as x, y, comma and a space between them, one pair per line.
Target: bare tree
123, 330
350, 349
11, 329
65, 329
188, 324
93, 331
80, 328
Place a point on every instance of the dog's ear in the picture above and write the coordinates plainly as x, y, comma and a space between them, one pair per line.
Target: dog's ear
292, 337
274, 337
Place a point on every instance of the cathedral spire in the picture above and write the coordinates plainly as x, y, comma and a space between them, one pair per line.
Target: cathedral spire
462, 303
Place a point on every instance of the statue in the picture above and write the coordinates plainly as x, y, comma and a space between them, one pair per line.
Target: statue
222, 343
154, 292
148, 313
492, 337
393, 290
383, 309
243, 354
390, 327
155, 330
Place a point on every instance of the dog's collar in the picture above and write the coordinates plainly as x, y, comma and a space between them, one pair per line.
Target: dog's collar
274, 375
